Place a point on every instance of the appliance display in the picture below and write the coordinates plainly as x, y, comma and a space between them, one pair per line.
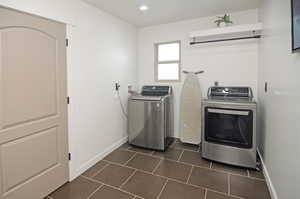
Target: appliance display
229, 126
296, 25
150, 118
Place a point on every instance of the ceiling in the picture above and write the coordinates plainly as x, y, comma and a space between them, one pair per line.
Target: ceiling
166, 11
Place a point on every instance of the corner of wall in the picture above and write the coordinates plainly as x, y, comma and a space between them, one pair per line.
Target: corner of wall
267, 177
97, 158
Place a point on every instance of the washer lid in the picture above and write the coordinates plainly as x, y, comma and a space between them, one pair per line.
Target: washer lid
156, 90
146, 98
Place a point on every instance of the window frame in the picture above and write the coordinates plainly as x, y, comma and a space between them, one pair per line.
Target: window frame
157, 62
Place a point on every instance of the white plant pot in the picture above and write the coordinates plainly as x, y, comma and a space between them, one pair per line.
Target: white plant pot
222, 25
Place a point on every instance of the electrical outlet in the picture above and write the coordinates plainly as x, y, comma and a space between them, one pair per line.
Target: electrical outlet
130, 88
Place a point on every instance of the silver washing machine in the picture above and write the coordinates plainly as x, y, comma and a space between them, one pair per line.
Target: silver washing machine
151, 118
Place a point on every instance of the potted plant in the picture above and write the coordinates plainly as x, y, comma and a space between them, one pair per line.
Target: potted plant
223, 21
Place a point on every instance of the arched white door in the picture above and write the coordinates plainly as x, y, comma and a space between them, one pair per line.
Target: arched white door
33, 108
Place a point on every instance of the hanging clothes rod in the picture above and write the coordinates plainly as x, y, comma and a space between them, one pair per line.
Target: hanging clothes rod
196, 73
220, 40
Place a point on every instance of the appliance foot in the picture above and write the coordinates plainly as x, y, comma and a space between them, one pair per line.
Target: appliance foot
258, 165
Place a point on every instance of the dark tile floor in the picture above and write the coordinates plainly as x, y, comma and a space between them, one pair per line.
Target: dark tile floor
178, 173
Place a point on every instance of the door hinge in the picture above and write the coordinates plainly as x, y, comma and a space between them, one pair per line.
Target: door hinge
68, 100
67, 42
69, 156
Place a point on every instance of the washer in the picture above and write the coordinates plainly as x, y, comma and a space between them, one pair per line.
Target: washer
229, 126
150, 118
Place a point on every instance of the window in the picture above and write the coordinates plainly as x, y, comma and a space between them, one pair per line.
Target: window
167, 61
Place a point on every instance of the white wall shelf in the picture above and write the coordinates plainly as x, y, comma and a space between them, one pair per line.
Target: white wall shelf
239, 32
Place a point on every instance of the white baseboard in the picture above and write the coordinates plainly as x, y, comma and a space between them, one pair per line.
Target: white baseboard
267, 177
97, 158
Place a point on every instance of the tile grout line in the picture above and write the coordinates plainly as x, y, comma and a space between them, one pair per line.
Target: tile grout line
128, 179
95, 191
229, 174
201, 187
162, 158
228, 181
122, 190
180, 155
185, 163
150, 152
165, 158
190, 174
162, 177
243, 176
189, 164
130, 159
198, 166
120, 164
156, 174
211, 163
156, 167
224, 194
163, 188
93, 180
99, 171
141, 153
170, 179
189, 150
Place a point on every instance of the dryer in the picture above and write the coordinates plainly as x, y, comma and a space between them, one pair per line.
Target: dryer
229, 126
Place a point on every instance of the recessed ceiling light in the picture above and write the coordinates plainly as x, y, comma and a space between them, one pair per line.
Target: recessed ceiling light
143, 7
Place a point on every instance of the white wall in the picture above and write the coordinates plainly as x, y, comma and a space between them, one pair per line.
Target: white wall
231, 63
102, 51
279, 109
